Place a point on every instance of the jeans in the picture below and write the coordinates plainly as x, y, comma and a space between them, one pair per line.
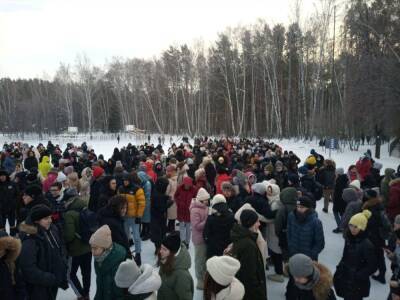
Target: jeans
85, 263
185, 231
328, 196
130, 225
200, 257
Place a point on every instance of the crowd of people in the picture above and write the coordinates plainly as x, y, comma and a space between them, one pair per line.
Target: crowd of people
245, 206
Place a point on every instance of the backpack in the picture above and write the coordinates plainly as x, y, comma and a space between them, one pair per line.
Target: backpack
88, 224
386, 227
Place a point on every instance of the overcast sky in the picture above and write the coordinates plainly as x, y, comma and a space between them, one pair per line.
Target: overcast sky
36, 35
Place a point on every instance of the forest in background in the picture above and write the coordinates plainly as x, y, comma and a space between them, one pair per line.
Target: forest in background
327, 76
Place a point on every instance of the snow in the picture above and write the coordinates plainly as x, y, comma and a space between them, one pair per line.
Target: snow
330, 256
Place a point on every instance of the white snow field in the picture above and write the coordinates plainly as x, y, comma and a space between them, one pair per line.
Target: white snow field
330, 256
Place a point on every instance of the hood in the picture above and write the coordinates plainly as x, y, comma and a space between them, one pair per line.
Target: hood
182, 260
161, 185
143, 177
389, 172
394, 182
51, 177
372, 203
28, 229
12, 247
148, 282
289, 196
239, 232
76, 203
45, 159
323, 287
235, 291
187, 181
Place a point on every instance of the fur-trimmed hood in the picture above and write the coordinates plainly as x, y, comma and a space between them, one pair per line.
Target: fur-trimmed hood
12, 247
371, 203
28, 229
323, 287
394, 182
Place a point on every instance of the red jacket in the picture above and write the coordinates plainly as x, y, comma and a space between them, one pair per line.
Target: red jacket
393, 206
183, 199
363, 167
220, 179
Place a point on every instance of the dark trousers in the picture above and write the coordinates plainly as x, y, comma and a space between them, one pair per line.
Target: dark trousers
171, 225
85, 263
10, 216
381, 260
277, 260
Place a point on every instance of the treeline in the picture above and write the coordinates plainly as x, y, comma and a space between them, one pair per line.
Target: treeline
332, 77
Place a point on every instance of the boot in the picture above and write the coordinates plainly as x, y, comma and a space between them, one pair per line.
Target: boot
138, 259
276, 278
146, 231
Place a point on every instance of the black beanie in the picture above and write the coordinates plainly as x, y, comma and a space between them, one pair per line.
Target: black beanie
248, 218
39, 212
33, 191
305, 201
172, 242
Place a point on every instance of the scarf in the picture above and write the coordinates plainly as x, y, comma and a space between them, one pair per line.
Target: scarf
101, 258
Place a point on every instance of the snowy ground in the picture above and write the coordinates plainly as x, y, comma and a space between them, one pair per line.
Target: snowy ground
330, 256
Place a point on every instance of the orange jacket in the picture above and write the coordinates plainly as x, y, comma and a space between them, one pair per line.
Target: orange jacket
135, 199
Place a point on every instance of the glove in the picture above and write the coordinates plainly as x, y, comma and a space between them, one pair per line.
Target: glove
138, 221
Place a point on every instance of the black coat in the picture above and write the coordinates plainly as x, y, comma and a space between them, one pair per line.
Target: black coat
42, 262
107, 216
312, 186
159, 206
31, 163
375, 222
357, 264
261, 205
342, 182
8, 197
234, 203
217, 230
327, 177
251, 272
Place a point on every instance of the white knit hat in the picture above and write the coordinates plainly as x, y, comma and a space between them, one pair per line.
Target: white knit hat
202, 195
128, 272
102, 237
355, 184
61, 177
223, 269
218, 198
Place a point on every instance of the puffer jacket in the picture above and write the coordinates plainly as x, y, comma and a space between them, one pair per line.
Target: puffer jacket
183, 199
198, 218
146, 285
146, 186
305, 234
45, 166
135, 198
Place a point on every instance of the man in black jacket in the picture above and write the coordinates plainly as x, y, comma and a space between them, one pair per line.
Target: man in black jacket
8, 202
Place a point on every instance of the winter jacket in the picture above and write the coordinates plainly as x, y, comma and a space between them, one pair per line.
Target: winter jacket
45, 166
42, 261
11, 283
357, 264
219, 180
288, 199
107, 216
389, 173
342, 182
375, 221
261, 205
393, 206
321, 291
281, 179
309, 183
178, 285
95, 191
8, 198
159, 205
363, 167
135, 198
327, 176
50, 179
173, 185
75, 246
31, 163
105, 273
353, 207
146, 285
183, 199
9, 164
198, 218
217, 229
150, 172
235, 291
251, 273
305, 234
235, 202
146, 186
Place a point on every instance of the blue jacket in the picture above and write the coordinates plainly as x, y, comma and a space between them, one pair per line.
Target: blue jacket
146, 186
305, 234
